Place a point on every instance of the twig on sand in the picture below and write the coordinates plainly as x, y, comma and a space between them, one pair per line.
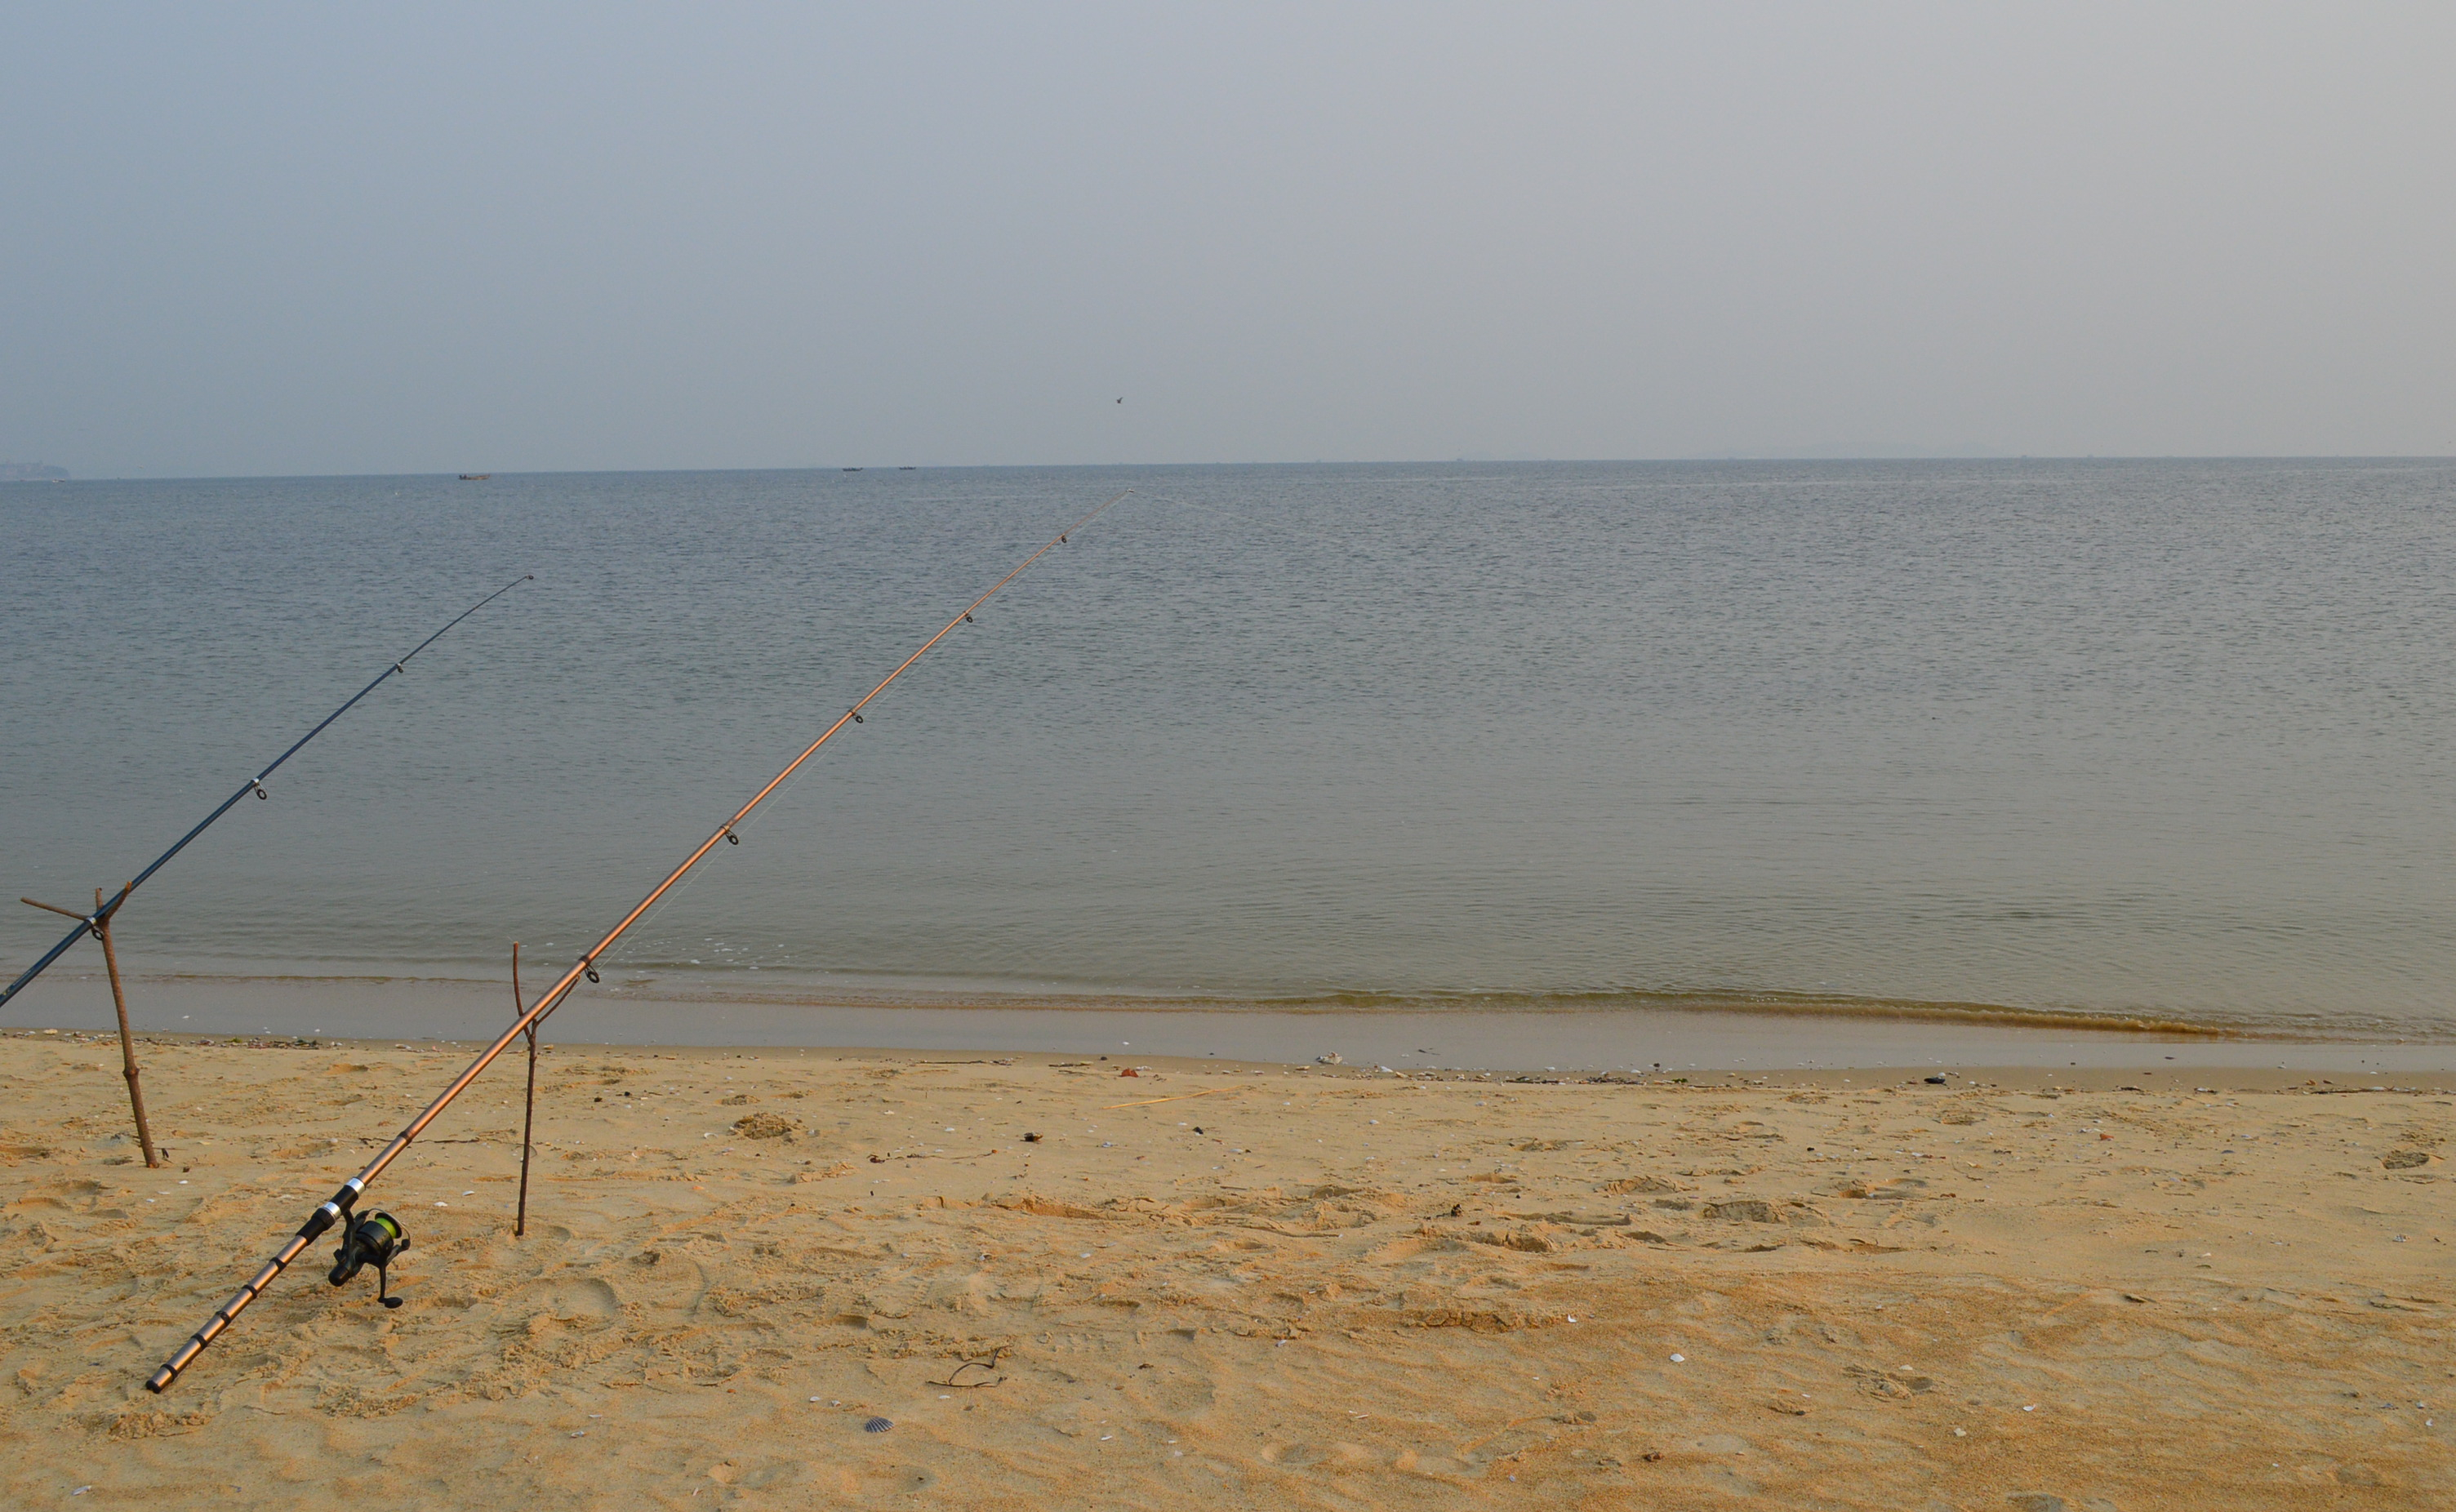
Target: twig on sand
1179, 1098
988, 1363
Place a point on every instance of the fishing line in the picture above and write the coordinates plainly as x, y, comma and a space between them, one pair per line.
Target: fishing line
634, 947
361, 1241
103, 912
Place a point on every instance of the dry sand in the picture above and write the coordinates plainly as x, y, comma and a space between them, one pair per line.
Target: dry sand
1272, 1288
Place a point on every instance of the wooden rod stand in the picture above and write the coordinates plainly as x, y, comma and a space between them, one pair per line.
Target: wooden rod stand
127, 1039
528, 1105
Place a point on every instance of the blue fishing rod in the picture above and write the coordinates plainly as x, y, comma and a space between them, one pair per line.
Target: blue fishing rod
104, 909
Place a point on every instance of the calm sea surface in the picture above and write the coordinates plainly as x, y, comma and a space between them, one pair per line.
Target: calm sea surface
2173, 739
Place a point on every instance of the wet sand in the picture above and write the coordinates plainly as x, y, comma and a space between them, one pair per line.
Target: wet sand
1222, 1284
1704, 1033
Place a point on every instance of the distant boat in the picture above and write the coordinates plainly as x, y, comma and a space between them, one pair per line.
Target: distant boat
905, 469
853, 469
474, 477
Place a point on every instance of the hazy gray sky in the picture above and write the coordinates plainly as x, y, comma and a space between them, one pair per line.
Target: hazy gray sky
246, 238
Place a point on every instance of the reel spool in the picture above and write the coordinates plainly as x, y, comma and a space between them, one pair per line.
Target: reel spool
375, 1239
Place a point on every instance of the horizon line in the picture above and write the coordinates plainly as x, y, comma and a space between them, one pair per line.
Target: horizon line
1418, 461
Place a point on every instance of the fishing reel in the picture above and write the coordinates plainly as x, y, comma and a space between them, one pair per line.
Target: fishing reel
375, 1239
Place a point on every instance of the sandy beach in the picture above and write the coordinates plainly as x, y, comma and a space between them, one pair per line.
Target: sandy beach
1207, 1284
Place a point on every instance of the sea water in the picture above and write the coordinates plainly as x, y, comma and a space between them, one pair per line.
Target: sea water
2162, 740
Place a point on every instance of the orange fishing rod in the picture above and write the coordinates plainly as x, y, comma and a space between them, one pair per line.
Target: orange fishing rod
374, 1238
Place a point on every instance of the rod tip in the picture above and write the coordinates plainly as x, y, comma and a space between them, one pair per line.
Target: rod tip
161, 1378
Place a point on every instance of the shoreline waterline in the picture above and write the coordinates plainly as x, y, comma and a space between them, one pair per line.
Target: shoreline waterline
1673, 1036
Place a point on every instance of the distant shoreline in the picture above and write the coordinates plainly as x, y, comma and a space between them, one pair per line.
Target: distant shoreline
1769, 458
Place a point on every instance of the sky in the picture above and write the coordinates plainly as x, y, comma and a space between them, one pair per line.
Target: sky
247, 239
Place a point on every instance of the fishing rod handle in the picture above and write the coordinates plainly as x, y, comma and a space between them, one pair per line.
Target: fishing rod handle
334, 1209
338, 1206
